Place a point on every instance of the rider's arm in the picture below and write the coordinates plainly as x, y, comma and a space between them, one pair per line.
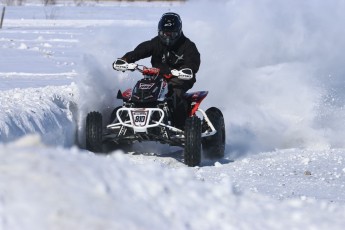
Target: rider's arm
143, 50
191, 58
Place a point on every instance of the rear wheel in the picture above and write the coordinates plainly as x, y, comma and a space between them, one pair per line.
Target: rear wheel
214, 146
94, 132
192, 149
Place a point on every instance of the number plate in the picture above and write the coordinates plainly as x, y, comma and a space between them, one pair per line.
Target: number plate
139, 118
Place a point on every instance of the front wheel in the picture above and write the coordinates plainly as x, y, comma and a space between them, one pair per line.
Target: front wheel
192, 148
94, 132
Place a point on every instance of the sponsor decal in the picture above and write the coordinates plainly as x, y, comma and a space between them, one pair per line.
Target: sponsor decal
145, 86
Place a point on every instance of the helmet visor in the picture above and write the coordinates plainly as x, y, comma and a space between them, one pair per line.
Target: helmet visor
168, 34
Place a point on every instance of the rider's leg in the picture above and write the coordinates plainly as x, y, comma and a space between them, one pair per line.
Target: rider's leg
180, 105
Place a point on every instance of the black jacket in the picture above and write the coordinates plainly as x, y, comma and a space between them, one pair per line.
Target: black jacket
183, 54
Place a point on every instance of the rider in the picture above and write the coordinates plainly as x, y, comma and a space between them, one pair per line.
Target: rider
171, 49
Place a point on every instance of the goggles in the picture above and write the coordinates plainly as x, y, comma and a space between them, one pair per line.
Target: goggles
168, 34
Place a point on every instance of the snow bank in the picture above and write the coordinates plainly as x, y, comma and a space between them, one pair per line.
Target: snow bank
50, 112
72, 189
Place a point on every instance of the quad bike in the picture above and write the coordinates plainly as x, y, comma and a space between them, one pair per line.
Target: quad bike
146, 115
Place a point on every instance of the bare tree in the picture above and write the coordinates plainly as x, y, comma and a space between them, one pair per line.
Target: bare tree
49, 2
2, 16
13, 2
78, 2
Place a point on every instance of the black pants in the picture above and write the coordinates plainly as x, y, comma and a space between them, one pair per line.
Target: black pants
179, 104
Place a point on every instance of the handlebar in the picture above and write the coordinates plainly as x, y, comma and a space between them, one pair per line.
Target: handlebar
122, 65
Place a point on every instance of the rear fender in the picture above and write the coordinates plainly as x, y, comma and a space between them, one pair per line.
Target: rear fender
119, 95
195, 99
125, 95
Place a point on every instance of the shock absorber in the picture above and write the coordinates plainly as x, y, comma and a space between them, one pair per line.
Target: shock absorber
167, 112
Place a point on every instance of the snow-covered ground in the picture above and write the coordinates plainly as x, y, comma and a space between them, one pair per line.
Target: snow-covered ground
276, 69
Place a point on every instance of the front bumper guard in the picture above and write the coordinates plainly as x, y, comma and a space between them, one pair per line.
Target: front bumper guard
140, 119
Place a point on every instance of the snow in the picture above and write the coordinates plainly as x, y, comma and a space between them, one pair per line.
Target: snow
277, 74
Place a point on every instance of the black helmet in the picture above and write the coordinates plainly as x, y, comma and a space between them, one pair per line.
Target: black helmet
169, 28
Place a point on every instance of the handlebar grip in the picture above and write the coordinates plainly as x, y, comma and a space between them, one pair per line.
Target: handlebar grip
183, 74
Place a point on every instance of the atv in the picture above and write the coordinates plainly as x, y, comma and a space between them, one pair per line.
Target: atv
146, 115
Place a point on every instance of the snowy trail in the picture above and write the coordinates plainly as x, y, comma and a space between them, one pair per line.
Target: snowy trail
282, 96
